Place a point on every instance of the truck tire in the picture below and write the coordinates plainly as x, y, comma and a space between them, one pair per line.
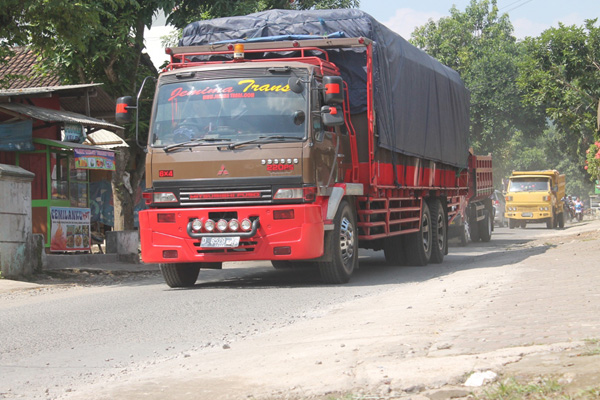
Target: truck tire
439, 231
342, 242
474, 229
180, 274
418, 245
463, 235
512, 223
550, 223
393, 249
485, 227
561, 220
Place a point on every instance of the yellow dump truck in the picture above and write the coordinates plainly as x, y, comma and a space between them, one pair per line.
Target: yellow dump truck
535, 196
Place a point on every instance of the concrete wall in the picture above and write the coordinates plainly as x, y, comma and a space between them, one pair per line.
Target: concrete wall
21, 252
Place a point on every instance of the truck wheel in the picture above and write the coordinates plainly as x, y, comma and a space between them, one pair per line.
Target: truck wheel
180, 274
393, 249
474, 229
342, 242
281, 264
438, 232
512, 223
550, 223
485, 227
418, 245
463, 235
561, 220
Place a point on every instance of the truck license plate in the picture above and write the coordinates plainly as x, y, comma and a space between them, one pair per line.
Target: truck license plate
527, 215
227, 241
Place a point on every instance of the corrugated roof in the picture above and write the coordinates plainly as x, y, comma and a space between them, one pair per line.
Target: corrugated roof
23, 82
28, 91
45, 114
105, 139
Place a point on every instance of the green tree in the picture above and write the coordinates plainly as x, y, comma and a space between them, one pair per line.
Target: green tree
479, 44
560, 71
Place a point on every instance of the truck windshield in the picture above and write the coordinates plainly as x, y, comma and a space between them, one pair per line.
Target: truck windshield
227, 110
529, 185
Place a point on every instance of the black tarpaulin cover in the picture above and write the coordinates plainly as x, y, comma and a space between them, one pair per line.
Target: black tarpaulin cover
422, 106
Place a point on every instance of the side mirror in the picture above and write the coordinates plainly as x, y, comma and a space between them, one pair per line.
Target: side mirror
333, 90
332, 115
122, 113
299, 117
295, 84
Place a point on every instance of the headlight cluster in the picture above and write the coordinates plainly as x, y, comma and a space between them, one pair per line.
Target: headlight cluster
222, 225
543, 208
511, 208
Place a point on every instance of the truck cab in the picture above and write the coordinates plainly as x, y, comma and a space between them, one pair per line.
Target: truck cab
534, 197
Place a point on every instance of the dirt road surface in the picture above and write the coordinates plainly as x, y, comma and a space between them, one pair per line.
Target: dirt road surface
530, 311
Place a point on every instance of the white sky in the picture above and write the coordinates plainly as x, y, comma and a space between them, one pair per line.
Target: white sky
529, 17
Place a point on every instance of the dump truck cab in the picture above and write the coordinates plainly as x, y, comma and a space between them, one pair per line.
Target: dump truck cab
535, 196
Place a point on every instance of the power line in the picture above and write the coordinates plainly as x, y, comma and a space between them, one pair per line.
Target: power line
522, 3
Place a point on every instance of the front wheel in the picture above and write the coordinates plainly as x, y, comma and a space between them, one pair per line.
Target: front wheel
561, 220
342, 243
180, 274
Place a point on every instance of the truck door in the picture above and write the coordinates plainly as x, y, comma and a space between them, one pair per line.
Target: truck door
330, 147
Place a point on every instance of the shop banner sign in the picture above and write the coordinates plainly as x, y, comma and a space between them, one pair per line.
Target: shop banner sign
73, 133
70, 229
16, 136
94, 159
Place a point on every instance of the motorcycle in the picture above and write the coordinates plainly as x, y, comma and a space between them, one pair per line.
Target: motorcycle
568, 210
579, 211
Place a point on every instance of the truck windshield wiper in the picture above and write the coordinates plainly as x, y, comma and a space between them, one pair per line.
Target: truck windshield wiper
194, 142
264, 139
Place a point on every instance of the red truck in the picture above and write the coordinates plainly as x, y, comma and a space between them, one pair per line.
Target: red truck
301, 136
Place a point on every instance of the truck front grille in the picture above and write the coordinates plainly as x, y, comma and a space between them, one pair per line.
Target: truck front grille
225, 197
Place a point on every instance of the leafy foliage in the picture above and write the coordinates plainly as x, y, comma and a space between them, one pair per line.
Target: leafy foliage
479, 44
188, 11
592, 162
560, 71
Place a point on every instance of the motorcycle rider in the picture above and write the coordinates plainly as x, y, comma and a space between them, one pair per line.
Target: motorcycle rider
578, 209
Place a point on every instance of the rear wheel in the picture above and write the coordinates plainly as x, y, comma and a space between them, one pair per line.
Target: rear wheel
485, 227
463, 235
418, 245
393, 249
438, 232
474, 229
180, 274
342, 243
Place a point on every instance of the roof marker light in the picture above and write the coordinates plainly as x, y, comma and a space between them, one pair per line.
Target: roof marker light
238, 51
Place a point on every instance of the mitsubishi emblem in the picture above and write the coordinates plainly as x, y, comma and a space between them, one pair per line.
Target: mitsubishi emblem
223, 171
